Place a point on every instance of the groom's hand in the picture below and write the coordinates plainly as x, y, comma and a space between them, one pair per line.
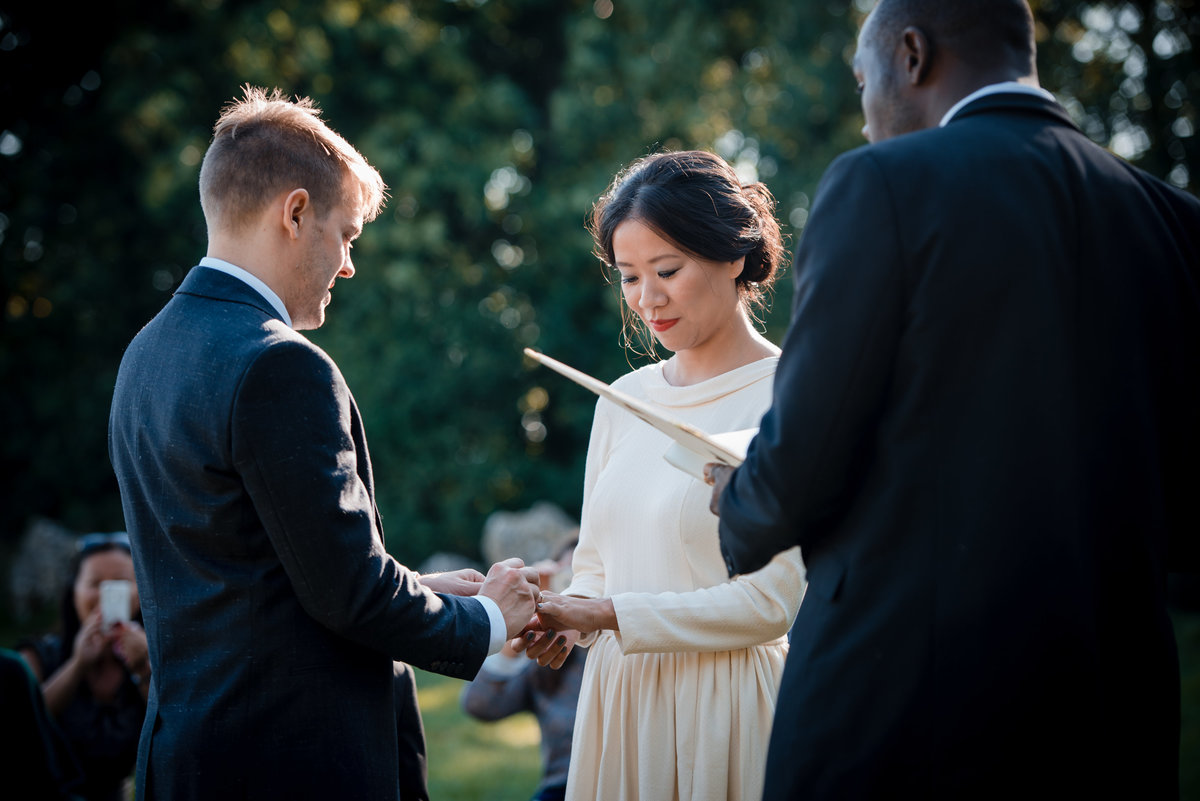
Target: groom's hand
717, 476
454, 582
513, 587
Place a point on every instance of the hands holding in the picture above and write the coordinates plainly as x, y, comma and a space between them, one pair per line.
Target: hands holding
549, 648
514, 588
95, 650
126, 641
562, 612
562, 619
91, 642
129, 646
463, 582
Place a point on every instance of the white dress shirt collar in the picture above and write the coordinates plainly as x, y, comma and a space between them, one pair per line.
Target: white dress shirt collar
1008, 87
255, 283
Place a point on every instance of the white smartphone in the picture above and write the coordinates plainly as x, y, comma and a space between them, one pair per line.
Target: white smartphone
116, 600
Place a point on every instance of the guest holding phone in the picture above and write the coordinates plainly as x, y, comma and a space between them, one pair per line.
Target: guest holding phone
95, 674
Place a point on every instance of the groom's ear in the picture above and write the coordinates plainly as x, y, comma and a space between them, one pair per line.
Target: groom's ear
295, 209
917, 54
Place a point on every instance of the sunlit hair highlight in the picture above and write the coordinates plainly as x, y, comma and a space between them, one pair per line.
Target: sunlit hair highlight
695, 200
265, 144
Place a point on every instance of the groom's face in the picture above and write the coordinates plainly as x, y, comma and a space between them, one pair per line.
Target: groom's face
325, 258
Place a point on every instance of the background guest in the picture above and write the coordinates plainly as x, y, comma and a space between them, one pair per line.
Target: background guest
94, 677
509, 683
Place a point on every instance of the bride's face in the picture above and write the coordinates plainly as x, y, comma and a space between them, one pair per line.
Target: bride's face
686, 301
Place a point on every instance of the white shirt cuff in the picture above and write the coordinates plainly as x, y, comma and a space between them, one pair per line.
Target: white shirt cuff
499, 630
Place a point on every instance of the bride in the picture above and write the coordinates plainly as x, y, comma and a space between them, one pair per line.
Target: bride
684, 664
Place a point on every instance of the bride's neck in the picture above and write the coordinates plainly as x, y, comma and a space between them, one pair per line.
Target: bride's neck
739, 346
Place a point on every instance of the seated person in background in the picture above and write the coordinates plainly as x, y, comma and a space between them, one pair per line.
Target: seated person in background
509, 683
94, 677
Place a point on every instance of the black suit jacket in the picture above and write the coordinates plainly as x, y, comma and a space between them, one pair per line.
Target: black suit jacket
273, 612
984, 438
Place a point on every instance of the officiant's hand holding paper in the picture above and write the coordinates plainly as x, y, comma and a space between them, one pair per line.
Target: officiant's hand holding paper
717, 476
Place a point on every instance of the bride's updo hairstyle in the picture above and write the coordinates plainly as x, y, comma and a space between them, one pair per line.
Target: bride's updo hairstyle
695, 200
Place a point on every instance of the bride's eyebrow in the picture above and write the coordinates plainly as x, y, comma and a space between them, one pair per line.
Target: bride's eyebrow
653, 260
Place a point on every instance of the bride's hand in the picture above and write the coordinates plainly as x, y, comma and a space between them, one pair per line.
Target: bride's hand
563, 612
549, 648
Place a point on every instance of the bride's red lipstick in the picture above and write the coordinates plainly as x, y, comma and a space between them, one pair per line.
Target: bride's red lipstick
662, 325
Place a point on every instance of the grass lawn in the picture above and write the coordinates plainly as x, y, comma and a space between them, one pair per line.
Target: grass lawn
470, 760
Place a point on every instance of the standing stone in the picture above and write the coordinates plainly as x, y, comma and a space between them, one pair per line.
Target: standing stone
41, 567
533, 535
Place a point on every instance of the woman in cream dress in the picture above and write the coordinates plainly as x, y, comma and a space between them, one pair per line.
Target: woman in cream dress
684, 663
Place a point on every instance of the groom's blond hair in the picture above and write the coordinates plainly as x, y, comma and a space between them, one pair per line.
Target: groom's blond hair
264, 144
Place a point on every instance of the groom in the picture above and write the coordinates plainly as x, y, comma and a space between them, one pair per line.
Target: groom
272, 610
984, 437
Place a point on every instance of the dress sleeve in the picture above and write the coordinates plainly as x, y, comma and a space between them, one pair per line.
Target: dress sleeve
587, 568
751, 609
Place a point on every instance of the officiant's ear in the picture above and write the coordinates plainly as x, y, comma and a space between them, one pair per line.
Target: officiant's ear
917, 53
297, 208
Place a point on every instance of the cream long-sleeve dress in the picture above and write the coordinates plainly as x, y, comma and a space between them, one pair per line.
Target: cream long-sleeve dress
678, 703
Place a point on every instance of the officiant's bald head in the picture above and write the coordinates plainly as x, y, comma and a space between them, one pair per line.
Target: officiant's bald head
985, 33
916, 58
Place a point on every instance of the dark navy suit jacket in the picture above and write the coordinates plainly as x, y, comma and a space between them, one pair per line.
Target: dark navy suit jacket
273, 612
985, 437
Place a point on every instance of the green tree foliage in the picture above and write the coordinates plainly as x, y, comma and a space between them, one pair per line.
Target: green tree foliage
1129, 73
496, 124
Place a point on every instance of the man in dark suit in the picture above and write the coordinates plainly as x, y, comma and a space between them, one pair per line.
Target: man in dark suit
272, 611
984, 438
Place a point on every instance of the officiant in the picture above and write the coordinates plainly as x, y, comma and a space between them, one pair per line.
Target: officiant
983, 436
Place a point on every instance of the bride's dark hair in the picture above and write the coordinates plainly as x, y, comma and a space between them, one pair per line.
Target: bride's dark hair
695, 200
